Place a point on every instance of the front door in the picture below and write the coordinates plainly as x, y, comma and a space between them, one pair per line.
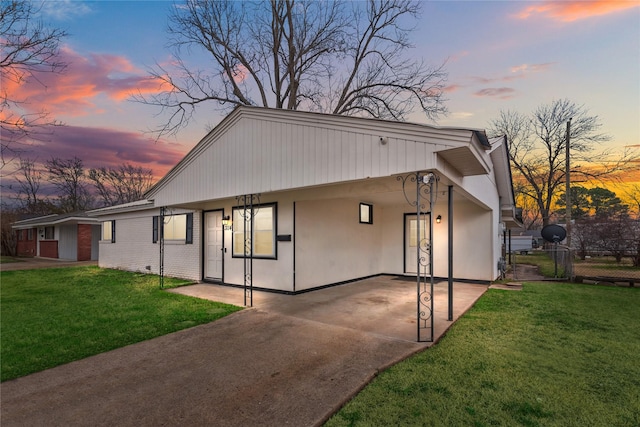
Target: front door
213, 245
412, 242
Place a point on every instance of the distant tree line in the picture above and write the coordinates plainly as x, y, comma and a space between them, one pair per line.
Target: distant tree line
64, 186
603, 224
70, 187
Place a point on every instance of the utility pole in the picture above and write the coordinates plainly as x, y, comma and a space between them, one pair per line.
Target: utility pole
568, 186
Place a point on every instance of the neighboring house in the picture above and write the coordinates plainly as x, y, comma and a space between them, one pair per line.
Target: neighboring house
72, 236
331, 206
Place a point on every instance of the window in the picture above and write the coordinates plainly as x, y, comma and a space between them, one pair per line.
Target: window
176, 227
30, 234
109, 231
366, 213
262, 239
49, 233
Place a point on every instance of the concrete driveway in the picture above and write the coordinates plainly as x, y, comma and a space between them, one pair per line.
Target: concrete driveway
290, 360
384, 305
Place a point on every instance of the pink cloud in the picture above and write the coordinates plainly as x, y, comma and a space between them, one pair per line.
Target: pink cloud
75, 91
568, 11
517, 72
240, 73
451, 88
98, 147
458, 56
531, 68
499, 92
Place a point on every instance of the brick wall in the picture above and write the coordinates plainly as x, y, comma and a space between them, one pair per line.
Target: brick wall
26, 247
49, 248
134, 248
84, 242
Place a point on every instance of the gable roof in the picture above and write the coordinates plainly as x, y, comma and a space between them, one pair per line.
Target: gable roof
500, 159
138, 205
256, 149
56, 219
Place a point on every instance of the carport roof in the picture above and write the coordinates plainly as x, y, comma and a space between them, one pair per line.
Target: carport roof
56, 219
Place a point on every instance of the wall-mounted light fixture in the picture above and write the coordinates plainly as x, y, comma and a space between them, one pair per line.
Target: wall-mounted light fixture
226, 222
439, 219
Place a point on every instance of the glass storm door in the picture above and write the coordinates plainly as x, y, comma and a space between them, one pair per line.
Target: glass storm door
412, 242
213, 245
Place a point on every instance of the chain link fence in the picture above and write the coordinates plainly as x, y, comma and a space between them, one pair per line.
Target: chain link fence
603, 268
560, 263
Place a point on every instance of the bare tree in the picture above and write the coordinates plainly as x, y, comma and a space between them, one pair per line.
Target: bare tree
30, 197
71, 183
615, 236
538, 145
27, 49
583, 237
633, 195
126, 183
8, 237
328, 56
531, 218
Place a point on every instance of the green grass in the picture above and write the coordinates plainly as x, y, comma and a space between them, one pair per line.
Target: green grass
8, 259
549, 355
55, 316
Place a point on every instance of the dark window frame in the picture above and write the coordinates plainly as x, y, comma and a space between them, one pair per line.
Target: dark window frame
370, 210
274, 205
47, 235
156, 229
113, 232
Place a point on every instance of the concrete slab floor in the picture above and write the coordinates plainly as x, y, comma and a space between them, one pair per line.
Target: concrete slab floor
383, 305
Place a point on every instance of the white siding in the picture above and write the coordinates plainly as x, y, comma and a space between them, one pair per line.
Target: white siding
95, 242
68, 242
259, 153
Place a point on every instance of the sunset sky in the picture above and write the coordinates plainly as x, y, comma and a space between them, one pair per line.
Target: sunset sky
501, 55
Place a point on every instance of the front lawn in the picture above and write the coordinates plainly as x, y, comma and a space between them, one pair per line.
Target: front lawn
549, 355
55, 316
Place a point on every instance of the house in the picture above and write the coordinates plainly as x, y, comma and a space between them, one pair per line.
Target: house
71, 236
295, 201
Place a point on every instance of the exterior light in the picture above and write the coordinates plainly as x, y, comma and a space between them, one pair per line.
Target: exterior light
226, 222
439, 219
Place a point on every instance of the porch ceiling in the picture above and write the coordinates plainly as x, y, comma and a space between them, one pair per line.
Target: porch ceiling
385, 191
464, 160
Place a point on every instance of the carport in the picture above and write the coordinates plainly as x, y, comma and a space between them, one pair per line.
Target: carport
384, 305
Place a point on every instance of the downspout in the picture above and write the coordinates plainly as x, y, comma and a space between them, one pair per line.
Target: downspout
294, 247
450, 248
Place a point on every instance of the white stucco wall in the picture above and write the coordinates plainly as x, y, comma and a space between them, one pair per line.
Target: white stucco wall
471, 257
274, 274
332, 246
